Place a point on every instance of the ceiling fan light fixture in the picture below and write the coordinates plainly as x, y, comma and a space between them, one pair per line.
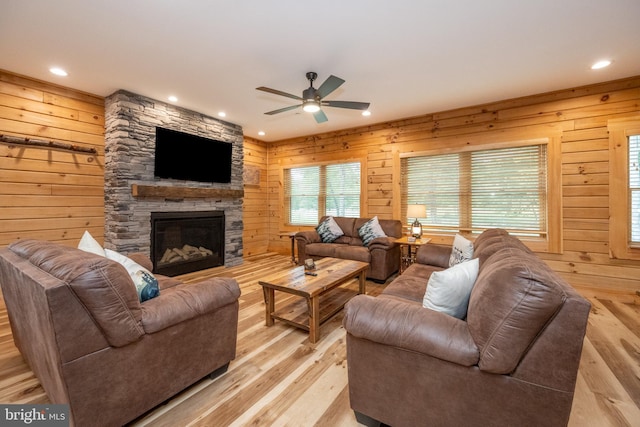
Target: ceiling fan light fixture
311, 106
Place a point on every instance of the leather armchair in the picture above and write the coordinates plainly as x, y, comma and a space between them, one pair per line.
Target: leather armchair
77, 321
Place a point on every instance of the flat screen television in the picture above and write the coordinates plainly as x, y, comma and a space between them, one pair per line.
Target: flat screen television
189, 157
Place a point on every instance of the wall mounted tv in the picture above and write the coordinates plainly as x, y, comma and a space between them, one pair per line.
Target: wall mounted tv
189, 157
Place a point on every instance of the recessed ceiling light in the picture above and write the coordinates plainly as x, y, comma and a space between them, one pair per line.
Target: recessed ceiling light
601, 64
173, 98
58, 71
222, 114
261, 133
366, 113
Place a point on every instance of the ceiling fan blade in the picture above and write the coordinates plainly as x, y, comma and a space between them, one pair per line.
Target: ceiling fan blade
282, 110
347, 104
332, 83
320, 116
278, 92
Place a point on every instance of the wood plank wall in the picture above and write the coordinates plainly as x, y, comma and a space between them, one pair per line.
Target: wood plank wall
48, 193
579, 114
254, 214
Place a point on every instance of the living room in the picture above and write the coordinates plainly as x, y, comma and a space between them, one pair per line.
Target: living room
56, 194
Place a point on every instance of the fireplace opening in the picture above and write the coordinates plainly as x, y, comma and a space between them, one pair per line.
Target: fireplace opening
183, 242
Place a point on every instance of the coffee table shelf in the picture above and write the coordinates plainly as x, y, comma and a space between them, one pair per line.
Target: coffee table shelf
322, 295
296, 313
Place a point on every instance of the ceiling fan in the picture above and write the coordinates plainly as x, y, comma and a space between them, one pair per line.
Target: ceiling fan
313, 99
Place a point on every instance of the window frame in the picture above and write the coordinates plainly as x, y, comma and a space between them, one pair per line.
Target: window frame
552, 242
321, 201
620, 245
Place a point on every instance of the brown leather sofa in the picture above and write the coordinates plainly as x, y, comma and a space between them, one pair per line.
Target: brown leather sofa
382, 254
77, 321
512, 361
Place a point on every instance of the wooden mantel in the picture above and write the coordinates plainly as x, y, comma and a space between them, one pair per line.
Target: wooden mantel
183, 192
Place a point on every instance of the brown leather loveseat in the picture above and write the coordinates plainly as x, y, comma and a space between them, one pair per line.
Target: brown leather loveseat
513, 360
77, 320
382, 254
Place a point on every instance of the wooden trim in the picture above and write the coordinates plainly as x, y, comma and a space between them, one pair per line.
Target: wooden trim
619, 209
551, 136
184, 192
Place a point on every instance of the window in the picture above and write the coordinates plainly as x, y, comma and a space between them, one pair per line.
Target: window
314, 191
470, 191
624, 188
634, 187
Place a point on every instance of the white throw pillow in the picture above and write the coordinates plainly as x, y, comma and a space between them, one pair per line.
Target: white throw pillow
448, 290
146, 284
89, 244
462, 250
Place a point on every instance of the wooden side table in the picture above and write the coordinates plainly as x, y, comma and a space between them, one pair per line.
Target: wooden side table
408, 250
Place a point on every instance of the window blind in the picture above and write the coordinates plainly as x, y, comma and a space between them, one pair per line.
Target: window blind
473, 191
302, 189
634, 186
343, 190
314, 191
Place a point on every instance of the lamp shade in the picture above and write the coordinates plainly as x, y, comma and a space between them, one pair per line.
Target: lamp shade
416, 211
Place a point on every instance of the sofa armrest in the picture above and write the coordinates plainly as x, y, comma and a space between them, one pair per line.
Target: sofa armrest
384, 243
187, 301
434, 255
303, 238
309, 236
409, 326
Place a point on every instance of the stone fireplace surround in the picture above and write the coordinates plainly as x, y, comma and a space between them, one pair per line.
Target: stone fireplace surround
131, 190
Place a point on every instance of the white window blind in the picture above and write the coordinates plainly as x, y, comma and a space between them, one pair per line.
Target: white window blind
634, 186
473, 191
314, 191
343, 190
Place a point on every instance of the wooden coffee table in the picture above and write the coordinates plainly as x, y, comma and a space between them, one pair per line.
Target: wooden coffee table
323, 296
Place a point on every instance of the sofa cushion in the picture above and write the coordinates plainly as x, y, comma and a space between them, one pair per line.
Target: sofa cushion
448, 291
329, 230
491, 241
461, 251
322, 249
514, 297
370, 230
355, 253
412, 283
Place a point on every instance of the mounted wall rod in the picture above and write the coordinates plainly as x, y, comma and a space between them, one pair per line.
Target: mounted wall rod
48, 144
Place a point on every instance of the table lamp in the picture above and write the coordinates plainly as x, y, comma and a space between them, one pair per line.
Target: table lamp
416, 211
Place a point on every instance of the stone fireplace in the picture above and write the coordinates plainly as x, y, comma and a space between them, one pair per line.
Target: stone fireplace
133, 194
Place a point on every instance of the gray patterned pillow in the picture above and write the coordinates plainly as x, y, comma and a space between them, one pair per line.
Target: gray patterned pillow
370, 230
461, 251
329, 230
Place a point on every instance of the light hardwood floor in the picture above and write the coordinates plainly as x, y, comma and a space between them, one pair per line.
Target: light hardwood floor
279, 379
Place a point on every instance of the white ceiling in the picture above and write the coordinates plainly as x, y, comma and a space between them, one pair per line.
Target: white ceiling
406, 57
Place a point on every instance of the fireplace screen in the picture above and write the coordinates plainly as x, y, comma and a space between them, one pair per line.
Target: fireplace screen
183, 242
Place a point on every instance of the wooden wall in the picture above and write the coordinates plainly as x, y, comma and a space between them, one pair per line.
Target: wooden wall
55, 194
48, 193
578, 115
255, 215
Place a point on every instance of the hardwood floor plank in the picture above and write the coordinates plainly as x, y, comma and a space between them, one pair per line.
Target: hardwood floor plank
618, 346
279, 378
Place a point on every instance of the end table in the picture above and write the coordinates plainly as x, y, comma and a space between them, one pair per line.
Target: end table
408, 250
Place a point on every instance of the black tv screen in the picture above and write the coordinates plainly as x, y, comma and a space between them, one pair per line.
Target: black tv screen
189, 157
